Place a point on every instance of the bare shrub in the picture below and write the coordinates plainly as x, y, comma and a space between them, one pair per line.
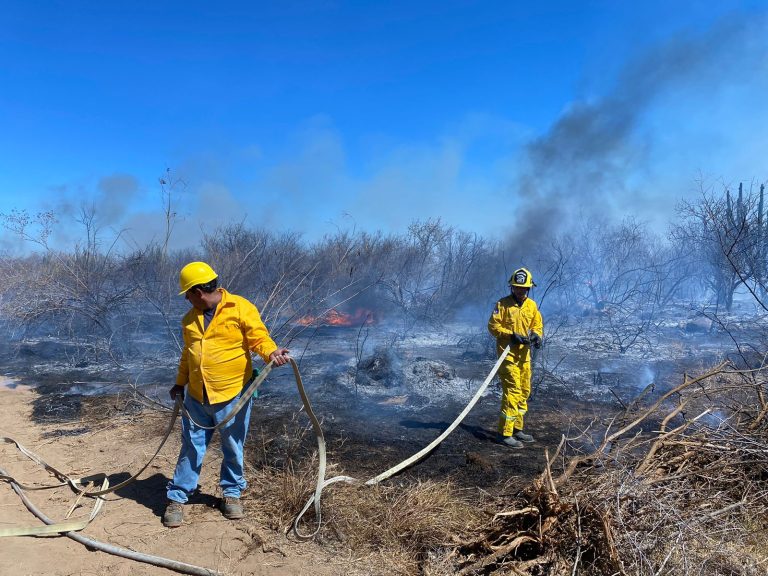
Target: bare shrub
432, 272
680, 487
619, 273
81, 294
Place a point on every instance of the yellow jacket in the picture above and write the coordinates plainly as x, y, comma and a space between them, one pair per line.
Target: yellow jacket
509, 317
219, 359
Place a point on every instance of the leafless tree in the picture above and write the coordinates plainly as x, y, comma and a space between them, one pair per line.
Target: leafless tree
83, 291
729, 237
620, 273
435, 271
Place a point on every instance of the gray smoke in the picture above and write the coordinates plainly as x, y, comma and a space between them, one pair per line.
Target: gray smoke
587, 163
102, 211
115, 195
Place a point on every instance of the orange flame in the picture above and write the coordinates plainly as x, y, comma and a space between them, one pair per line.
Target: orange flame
334, 317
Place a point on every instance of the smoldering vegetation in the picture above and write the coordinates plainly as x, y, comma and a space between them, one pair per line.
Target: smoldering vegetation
104, 301
670, 478
678, 485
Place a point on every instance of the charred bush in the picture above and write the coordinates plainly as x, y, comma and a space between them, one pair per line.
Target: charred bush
382, 368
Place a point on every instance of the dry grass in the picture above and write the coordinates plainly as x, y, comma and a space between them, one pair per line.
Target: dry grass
401, 524
283, 475
399, 528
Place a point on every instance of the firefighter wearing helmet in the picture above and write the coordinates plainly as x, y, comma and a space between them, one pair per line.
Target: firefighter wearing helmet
516, 322
221, 330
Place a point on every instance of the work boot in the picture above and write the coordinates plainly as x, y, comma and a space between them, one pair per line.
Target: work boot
510, 441
522, 436
174, 514
231, 508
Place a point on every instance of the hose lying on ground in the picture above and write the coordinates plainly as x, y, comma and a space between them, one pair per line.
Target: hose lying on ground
80, 484
115, 550
322, 482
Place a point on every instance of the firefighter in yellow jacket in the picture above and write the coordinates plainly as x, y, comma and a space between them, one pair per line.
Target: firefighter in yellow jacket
516, 321
220, 331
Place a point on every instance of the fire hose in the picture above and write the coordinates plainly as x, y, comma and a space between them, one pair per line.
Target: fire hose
322, 482
81, 485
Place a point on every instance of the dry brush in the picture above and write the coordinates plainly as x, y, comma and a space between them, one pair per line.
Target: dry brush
677, 487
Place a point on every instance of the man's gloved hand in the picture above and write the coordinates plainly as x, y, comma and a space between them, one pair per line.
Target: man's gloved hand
175, 391
519, 339
535, 340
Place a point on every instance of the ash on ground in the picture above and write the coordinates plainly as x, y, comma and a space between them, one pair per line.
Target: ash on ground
415, 382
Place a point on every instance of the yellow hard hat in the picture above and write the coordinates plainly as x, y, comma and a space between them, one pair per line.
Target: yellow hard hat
195, 273
522, 277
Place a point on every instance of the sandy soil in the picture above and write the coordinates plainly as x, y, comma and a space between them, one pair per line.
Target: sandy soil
130, 518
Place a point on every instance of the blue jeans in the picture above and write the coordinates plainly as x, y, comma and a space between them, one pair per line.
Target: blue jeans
195, 440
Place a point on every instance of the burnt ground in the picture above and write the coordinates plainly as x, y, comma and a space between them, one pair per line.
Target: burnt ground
367, 436
400, 398
380, 402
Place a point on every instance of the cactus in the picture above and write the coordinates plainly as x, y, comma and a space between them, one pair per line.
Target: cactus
740, 208
729, 210
760, 249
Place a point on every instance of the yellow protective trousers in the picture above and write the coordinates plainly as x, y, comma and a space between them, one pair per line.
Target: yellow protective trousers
515, 377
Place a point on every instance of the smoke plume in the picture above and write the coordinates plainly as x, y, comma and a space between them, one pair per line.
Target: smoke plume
598, 158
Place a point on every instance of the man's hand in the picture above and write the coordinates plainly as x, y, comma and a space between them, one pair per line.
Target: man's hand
175, 391
535, 340
280, 356
519, 339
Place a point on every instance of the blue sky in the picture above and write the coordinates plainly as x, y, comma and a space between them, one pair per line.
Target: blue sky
312, 116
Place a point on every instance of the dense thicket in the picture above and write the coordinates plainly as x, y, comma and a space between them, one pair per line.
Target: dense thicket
613, 277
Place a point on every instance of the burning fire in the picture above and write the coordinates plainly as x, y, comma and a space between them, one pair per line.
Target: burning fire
337, 318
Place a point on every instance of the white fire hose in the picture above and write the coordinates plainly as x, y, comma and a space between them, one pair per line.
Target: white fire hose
322, 482
81, 485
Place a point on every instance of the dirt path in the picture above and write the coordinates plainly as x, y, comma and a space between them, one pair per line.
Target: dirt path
131, 518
